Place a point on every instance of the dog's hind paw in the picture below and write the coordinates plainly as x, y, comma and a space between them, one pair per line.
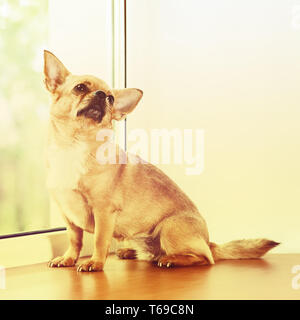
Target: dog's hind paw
166, 264
126, 253
179, 260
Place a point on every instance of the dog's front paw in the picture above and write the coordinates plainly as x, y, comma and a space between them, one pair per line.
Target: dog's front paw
62, 262
90, 265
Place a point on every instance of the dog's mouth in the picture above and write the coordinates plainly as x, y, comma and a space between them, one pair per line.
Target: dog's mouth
95, 111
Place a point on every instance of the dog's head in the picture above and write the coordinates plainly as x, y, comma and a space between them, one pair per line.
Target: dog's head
85, 99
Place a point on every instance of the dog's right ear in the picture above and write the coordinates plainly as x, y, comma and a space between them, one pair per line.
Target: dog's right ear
55, 72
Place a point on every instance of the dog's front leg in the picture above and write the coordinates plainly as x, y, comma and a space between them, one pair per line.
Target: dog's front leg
75, 243
104, 228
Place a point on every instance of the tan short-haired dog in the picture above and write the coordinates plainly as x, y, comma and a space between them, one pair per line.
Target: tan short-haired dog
133, 202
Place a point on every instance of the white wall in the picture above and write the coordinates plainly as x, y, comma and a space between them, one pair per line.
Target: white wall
231, 68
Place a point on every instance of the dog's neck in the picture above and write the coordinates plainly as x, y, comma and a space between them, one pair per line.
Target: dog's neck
63, 136
66, 131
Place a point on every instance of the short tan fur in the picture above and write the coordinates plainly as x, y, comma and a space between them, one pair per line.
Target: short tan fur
137, 204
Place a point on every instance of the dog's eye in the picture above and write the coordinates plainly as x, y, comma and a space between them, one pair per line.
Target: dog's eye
81, 88
110, 99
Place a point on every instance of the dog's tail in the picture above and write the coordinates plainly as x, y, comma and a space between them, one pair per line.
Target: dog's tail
242, 249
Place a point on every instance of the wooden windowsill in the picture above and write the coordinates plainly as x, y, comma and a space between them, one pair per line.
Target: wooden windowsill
268, 278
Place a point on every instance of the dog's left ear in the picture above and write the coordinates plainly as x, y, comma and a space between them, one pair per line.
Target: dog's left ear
125, 101
54, 70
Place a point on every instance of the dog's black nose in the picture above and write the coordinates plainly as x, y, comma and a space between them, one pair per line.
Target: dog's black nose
100, 94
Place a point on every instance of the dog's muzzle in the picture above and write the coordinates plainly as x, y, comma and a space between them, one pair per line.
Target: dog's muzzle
96, 108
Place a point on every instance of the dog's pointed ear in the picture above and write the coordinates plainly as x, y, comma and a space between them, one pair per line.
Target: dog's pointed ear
55, 72
125, 102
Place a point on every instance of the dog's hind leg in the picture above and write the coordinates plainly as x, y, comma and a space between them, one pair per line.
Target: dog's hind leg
184, 241
125, 250
126, 253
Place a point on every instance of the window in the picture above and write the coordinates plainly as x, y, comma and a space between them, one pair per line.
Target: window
26, 28
24, 106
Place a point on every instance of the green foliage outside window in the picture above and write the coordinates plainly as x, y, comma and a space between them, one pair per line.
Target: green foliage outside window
24, 105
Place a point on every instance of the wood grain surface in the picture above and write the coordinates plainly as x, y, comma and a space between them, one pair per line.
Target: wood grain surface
268, 278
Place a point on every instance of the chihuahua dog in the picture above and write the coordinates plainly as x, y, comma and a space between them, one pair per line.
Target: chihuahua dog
136, 204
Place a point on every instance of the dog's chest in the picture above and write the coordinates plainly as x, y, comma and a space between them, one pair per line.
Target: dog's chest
66, 165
